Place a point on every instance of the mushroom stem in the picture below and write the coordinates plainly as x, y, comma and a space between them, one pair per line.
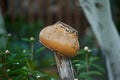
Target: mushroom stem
64, 67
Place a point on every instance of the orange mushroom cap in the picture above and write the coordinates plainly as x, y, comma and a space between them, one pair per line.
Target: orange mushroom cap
61, 38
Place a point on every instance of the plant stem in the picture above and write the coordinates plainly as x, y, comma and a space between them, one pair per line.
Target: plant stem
87, 61
4, 68
8, 41
32, 51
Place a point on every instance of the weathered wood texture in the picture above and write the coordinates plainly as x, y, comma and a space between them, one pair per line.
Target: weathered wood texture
64, 67
98, 13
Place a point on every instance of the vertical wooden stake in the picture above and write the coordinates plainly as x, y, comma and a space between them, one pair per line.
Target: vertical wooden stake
64, 67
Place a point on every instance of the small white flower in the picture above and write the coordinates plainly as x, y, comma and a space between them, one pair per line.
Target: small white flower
78, 65
86, 48
9, 35
76, 79
7, 52
32, 38
17, 63
24, 51
8, 70
38, 76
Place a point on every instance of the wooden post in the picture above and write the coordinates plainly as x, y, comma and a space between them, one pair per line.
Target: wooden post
64, 67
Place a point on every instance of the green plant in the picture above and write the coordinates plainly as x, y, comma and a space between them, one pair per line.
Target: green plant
20, 64
86, 66
21, 26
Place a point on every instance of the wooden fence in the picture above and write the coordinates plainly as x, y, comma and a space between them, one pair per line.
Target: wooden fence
47, 11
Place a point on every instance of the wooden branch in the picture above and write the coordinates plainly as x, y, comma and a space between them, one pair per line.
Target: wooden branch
64, 67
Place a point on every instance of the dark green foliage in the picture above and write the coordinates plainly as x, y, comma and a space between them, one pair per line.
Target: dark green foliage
86, 66
21, 26
16, 63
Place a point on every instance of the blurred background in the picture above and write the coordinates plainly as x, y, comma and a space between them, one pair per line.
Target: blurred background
31, 15
28, 16
25, 18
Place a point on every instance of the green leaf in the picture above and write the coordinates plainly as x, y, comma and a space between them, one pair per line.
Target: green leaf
18, 77
79, 67
3, 35
90, 73
20, 56
98, 67
11, 62
75, 61
92, 59
81, 52
82, 62
52, 64
25, 39
39, 74
2, 53
40, 50
18, 71
85, 78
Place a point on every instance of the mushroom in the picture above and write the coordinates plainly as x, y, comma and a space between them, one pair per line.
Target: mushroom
63, 40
